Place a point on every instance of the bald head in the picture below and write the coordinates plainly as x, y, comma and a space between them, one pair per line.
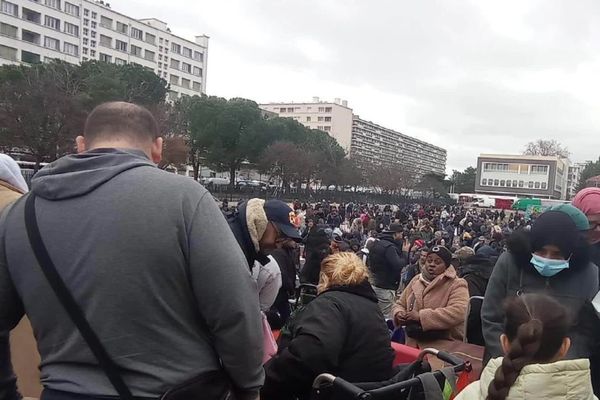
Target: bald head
119, 124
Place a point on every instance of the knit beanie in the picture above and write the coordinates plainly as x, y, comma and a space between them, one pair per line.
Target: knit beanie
555, 228
443, 253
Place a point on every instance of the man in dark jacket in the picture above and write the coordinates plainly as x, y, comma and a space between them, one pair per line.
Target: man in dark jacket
387, 258
259, 225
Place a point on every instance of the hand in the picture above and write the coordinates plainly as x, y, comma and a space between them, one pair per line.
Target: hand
400, 318
413, 316
406, 246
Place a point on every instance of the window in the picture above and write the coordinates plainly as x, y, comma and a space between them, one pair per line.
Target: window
508, 183
308, 119
150, 38
8, 30
93, 53
282, 110
327, 119
72, 9
539, 169
197, 71
187, 52
321, 109
31, 16
137, 33
483, 182
544, 185
174, 64
496, 182
30, 58
86, 12
327, 129
52, 43
121, 46
530, 184
106, 22
70, 48
160, 58
51, 22
160, 40
521, 184
86, 22
290, 109
10, 8
93, 35
93, 43
515, 183
186, 68
8, 53
149, 55
53, 3
86, 31
197, 86
537, 185
502, 183
105, 58
174, 80
320, 119
198, 56
175, 48
185, 83
105, 41
120, 61
94, 14
85, 51
327, 109
136, 51
94, 25
71, 29
121, 27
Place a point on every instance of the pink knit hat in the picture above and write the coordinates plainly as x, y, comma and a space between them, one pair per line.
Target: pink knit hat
588, 201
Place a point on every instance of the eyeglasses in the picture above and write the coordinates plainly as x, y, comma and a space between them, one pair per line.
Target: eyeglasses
594, 226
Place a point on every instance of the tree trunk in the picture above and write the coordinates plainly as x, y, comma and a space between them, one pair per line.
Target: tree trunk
232, 169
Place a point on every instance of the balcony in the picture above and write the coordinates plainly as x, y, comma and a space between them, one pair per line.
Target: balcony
30, 58
30, 37
31, 16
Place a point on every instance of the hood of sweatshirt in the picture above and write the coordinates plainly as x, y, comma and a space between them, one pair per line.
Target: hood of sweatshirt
79, 174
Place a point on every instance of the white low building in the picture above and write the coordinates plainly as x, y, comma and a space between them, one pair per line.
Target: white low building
33, 31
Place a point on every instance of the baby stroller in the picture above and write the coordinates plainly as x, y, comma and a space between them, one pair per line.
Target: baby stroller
413, 381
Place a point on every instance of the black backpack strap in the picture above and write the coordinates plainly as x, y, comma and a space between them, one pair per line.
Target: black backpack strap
68, 302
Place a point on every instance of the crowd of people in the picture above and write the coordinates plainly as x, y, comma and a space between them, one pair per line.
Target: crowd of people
136, 284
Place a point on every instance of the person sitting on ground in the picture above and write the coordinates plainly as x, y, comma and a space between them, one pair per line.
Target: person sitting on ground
341, 332
534, 343
433, 307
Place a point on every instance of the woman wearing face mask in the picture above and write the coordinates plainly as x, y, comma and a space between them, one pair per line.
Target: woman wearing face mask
433, 307
553, 259
588, 201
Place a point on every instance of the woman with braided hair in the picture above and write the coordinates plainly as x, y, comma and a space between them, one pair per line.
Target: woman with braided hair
535, 343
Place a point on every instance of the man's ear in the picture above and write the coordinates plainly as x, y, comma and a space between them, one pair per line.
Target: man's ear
156, 150
505, 343
80, 141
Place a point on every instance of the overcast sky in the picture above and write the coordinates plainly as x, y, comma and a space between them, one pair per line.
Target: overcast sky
470, 76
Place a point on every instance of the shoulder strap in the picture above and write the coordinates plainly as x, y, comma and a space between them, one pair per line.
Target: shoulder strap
68, 302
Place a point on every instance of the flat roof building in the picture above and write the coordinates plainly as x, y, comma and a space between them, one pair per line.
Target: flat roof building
80, 30
522, 176
364, 140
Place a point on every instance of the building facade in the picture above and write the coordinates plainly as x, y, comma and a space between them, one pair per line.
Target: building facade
363, 140
33, 31
575, 171
377, 145
335, 118
522, 176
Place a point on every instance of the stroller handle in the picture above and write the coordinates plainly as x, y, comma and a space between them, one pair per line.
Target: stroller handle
347, 387
442, 355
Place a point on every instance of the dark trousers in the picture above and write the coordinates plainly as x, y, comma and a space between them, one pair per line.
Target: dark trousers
49, 394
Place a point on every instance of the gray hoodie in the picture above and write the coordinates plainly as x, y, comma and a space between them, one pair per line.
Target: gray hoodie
150, 259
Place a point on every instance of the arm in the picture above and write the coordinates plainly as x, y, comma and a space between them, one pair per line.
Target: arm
315, 348
11, 313
395, 260
399, 309
227, 296
453, 314
492, 315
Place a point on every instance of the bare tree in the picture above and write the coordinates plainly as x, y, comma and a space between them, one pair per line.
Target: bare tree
543, 147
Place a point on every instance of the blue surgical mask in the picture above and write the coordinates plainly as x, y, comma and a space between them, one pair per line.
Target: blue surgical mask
548, 267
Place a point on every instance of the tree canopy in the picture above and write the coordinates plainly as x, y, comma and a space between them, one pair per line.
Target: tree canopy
592, 169
464, 182
543, 147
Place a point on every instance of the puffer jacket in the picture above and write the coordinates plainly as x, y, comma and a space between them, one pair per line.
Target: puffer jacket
513, 274
442, 306
564, 380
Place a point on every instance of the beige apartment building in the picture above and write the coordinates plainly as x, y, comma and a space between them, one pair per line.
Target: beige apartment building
362, 139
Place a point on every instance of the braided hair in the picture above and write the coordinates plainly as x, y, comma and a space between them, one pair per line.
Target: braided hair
536, 326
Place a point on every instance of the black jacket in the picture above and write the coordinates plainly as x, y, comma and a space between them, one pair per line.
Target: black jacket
386, 262
237, 224
514, 274
476, 272
341, 332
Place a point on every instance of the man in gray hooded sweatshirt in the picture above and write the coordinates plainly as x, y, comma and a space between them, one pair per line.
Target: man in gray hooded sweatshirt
149, 259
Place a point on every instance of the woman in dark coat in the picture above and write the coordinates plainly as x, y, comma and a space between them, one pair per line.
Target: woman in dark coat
341, 332
554, 260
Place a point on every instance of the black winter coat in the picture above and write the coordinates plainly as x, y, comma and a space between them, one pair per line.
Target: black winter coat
386, 262
513, 274
476, 272
341, 332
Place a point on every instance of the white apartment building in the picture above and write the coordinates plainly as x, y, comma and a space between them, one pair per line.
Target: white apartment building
575, 171
334, 118
522, 176
33, 31
362, 139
